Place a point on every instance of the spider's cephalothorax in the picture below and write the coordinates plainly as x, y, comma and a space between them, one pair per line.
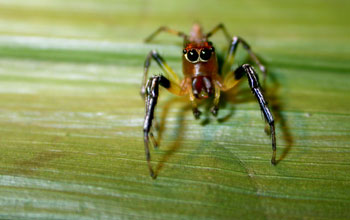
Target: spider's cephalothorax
201, 78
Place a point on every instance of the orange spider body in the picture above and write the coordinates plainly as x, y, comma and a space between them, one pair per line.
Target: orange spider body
201, 73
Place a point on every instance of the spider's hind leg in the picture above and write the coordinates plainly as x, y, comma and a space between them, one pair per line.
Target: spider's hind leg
217, 28
229, 60
165, 29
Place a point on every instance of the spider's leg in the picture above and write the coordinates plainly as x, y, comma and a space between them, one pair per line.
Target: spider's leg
215, 108
219, 27
152, 92
151, 98
247, 70
231, 55
195, 110
168, 72
165, 29
153, 139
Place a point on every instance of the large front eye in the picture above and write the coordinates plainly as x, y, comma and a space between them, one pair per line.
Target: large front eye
205, 54
192, 55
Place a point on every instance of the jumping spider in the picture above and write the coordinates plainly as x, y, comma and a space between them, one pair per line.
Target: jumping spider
202, 78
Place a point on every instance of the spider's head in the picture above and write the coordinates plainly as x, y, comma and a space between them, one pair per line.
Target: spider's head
198, 52
200, 64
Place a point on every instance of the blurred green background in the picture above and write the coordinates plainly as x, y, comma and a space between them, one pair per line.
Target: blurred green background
71, 115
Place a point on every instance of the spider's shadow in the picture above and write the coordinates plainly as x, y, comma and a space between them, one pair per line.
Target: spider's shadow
227, 101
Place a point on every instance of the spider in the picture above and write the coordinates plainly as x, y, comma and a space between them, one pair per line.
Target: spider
202, 78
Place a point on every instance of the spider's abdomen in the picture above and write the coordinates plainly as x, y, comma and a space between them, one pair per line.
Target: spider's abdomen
202, 87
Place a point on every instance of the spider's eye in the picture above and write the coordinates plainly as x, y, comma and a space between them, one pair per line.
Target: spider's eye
192, 55
205, 54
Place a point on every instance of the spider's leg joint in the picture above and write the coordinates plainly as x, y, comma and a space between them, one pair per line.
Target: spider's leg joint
164, 81
196, 113
252, 77
154, 52
235, 40
215, 110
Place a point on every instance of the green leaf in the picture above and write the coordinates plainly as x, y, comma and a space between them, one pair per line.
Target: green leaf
71, 115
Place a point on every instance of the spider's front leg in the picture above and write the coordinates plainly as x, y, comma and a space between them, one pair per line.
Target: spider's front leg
247, 70
151, 98
150, 91
169, 73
